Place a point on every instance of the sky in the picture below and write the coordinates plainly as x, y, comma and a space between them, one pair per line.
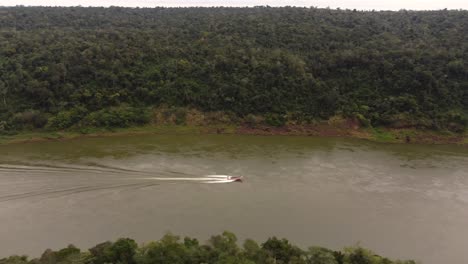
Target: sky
350, 4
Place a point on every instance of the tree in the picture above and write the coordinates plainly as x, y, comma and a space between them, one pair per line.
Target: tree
281, 251
122, 251
3, 92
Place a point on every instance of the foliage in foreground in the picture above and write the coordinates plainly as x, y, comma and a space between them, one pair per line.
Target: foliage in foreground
62, 67
222, 249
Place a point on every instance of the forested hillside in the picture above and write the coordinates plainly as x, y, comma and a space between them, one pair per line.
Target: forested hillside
69, 67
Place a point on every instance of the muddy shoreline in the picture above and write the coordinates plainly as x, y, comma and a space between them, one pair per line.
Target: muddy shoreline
384, 135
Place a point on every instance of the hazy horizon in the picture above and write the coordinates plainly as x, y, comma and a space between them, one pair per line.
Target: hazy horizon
344, 4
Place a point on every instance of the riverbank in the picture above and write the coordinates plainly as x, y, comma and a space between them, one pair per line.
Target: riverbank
383, 135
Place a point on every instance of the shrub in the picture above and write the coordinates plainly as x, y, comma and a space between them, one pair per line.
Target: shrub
363, 121
281, 250
3, 126
15, 260
319, 255
453, 121
123, 251
253, 120
66, 119
220, 117
180, 115
167, 250
276, 120
337, 121
29, 119
100, 253
195, 118
67, 252
122, 116
170, 116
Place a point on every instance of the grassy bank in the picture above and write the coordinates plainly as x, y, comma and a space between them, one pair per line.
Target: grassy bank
383, 135
177, 120
42, 135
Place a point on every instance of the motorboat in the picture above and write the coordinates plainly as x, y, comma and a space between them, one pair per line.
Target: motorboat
235, 178
223, 178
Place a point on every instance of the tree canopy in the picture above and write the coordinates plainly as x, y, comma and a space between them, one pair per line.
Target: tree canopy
220, 249
62, 66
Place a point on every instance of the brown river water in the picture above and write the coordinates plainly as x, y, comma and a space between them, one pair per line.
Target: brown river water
402, 201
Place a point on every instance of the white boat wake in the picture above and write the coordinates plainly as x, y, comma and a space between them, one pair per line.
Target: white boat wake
220, 181
205, 179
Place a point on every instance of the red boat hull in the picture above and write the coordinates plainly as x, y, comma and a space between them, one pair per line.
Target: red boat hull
236, 178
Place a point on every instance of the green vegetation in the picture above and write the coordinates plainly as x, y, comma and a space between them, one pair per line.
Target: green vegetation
80, 68
221, 249
383, 136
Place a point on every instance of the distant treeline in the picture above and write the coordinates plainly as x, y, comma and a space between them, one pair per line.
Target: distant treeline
64, 67
220, 249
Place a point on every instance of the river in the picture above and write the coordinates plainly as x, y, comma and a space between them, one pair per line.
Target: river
402, 201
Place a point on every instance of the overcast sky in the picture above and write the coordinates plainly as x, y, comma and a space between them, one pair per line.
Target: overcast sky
358, 4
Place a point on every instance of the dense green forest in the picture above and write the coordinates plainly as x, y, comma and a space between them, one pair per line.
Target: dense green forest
220, 249
108, 67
